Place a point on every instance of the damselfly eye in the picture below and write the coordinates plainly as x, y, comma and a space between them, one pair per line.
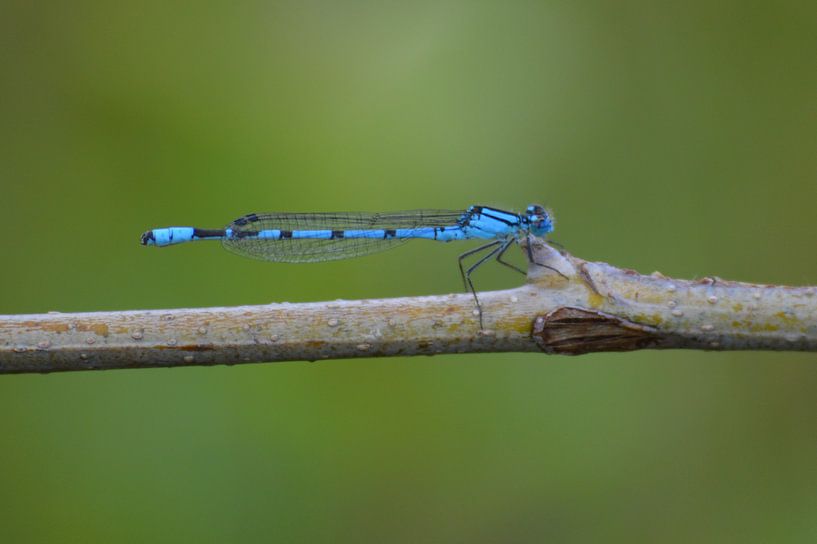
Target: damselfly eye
539, 219
536, 210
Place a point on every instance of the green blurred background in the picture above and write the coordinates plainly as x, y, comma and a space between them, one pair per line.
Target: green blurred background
678, 137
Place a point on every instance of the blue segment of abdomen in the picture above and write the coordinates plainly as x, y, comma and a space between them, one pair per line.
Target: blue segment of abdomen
311, 234
441, 234
172, 235
376, 234
269, 234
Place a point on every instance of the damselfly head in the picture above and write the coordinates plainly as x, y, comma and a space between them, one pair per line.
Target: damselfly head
539, 220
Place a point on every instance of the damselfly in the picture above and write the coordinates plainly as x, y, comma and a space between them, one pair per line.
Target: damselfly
315, 237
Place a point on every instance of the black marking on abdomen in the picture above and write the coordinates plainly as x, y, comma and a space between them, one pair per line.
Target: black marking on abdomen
337, 235
208, 233
285, 235
389, 233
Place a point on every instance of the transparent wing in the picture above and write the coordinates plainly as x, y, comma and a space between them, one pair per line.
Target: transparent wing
295, 250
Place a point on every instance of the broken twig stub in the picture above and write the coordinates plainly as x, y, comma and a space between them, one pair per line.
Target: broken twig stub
574, 331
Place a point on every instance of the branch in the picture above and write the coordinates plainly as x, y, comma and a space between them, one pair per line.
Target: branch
594, 307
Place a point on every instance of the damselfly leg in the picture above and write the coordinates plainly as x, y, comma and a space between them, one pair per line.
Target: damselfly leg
533, 261
473, 252
497, 249
502, 251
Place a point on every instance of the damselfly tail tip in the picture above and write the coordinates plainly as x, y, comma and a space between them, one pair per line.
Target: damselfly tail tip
147, 238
